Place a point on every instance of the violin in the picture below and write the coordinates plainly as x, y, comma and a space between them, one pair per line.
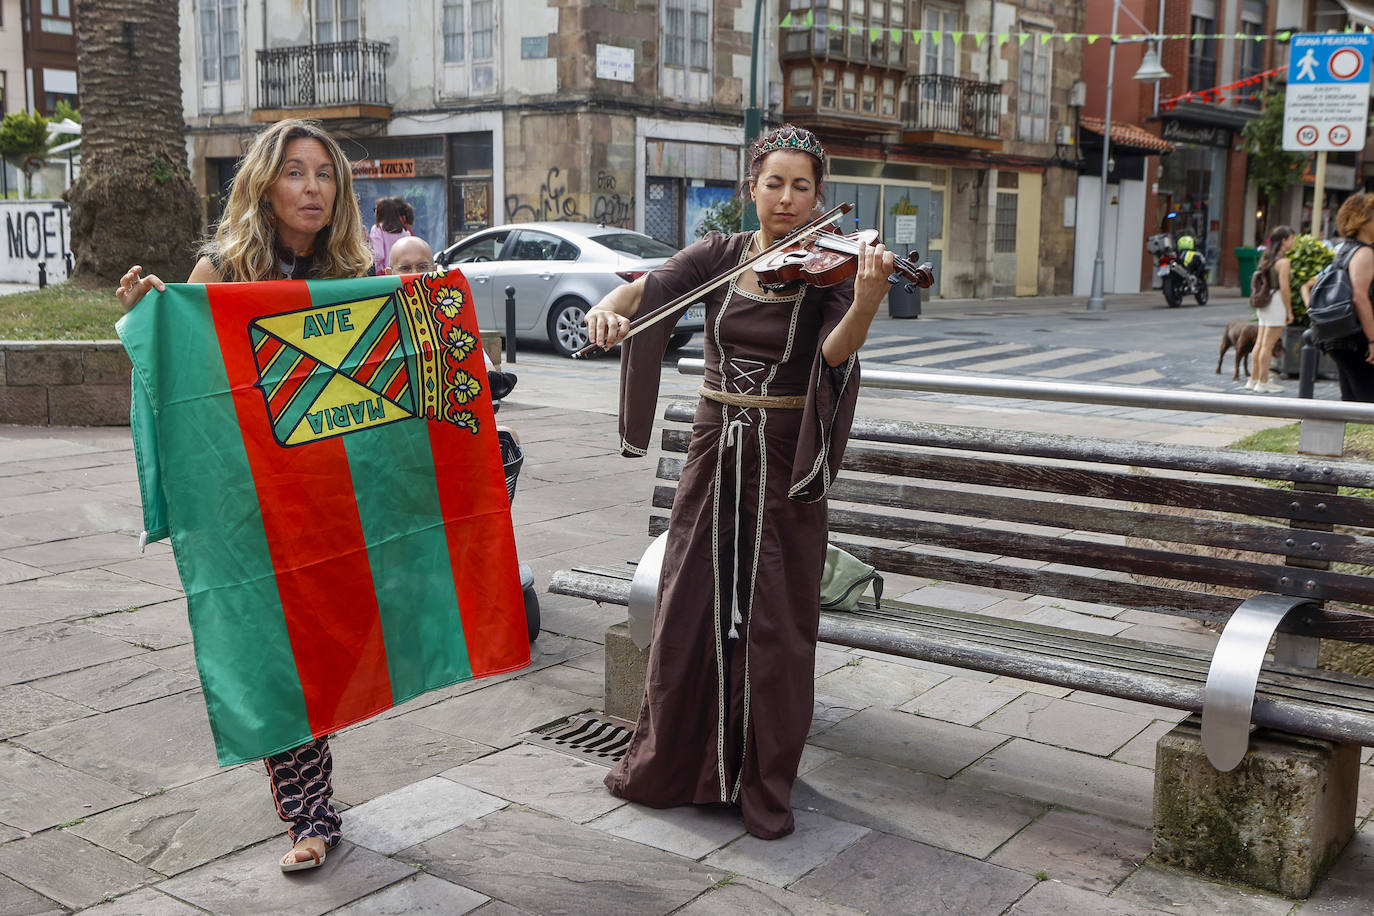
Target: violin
826, 258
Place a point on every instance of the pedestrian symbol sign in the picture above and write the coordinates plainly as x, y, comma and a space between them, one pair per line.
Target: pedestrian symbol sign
1327, 102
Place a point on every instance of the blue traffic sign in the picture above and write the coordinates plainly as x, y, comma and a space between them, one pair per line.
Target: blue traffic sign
1330, 58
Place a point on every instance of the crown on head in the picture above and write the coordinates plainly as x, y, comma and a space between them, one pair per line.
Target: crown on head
791, 138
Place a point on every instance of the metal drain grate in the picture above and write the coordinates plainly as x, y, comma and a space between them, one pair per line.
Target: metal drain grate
600, 740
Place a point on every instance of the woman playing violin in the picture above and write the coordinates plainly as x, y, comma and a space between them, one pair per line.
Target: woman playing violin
728, 697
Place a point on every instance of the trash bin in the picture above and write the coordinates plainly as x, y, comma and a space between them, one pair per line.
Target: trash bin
903, 304
1248, 258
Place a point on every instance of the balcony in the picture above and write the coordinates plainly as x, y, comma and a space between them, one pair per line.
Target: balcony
342, 80
950, 111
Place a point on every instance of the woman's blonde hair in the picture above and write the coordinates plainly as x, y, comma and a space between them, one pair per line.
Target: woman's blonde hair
1355, 211
245, 245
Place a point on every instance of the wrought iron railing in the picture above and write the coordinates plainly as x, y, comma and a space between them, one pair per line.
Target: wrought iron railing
309, 76
948, 103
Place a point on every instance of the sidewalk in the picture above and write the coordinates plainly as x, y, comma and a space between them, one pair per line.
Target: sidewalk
924, 789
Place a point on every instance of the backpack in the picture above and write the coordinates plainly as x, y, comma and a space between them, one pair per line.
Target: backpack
1331, 306
1260, 293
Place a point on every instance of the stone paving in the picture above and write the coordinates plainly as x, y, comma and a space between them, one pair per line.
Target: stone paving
924, 789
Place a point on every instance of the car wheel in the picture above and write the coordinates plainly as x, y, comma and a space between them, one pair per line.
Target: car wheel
679, 340
567, 326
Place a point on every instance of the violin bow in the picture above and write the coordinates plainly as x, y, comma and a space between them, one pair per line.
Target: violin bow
654, 317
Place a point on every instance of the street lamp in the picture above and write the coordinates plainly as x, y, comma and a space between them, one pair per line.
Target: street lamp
1150, 72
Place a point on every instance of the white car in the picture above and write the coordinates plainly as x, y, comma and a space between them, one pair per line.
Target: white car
558, 271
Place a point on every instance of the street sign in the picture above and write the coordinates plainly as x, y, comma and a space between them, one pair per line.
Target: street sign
1327, 103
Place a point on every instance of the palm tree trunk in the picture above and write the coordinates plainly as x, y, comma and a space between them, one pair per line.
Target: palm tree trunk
133, 202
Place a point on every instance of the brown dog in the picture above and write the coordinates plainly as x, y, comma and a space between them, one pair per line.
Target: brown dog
1241, 334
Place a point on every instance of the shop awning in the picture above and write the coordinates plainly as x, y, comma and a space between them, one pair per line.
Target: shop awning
1361, 12
1128, 136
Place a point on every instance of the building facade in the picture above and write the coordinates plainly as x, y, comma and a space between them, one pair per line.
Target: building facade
630, 112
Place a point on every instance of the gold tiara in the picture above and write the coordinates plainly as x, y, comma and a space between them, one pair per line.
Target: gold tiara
791, 138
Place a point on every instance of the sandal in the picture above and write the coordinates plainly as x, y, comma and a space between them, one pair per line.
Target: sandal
290, 863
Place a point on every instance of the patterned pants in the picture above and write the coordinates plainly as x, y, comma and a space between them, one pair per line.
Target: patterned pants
301, 788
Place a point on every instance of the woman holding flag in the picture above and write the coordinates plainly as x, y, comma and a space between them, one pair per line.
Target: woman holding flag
291, 214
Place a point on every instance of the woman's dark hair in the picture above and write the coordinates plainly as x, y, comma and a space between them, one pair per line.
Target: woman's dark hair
1273, 248
407, 212
787, 138
388, 214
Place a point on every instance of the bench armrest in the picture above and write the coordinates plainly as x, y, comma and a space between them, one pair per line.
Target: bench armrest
1234, 672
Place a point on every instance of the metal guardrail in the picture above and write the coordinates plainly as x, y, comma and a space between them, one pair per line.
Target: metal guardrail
1113, 395
337, 73
953, 104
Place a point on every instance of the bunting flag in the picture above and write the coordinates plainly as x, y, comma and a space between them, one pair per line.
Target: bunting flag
808, 21
1218, 94
324, 457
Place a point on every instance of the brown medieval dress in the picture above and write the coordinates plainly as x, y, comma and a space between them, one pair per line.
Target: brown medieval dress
728, 696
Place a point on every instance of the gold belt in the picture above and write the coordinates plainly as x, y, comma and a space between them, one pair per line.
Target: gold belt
752, 400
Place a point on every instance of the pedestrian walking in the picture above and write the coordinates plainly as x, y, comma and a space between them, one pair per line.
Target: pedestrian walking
1277, 314
730, 676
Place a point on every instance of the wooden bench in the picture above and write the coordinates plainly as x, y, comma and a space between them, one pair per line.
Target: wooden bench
1215, 535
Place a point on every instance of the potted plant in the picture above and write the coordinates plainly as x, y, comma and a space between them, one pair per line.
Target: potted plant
1307, 258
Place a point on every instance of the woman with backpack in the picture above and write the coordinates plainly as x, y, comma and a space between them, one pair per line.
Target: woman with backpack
1354, 353
1274, 314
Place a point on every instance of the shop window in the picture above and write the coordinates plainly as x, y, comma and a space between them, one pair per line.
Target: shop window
1004, 227
937, 214
1202, 55
470, 176
1033, 95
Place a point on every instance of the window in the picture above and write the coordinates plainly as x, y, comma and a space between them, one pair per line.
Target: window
453, 31
848, 97
799, 88
220, 55
55, 16
1252, 17
687, 34
541, 246
828, 87
474, 251
1033, 97
939, 55
1202, 55
870, 94
1004, 227
337, 20
469, 47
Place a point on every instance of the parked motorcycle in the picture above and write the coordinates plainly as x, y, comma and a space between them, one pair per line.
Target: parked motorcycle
1176, 277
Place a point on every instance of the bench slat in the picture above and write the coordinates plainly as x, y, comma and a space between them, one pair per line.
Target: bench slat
1121, 487
1269, 465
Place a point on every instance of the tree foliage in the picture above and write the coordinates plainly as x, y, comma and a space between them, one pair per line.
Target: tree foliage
722, 216
1307, 258
133, 202
1271, 168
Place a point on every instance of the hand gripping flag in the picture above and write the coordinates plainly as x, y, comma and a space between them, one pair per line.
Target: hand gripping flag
324, 457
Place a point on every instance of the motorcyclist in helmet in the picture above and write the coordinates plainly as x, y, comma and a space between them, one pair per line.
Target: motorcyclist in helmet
1192, 259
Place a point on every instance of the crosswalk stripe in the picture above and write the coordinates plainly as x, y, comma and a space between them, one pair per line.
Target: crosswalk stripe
1016, 362
1106, 362
962, 354
943, 343
1135, 378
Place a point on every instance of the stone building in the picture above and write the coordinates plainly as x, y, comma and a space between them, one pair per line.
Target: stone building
631, 112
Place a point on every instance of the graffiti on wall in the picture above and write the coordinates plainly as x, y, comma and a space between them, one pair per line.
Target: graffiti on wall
36, 231
554, 202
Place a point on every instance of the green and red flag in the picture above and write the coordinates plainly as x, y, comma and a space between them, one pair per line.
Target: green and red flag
324, 458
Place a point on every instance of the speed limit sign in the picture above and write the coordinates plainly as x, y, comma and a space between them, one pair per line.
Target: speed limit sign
1308, 134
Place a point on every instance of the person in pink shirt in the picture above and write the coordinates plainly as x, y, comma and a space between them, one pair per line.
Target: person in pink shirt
387, 230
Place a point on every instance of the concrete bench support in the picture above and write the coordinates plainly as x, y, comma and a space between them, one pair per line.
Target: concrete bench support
1277, 821
625, 667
